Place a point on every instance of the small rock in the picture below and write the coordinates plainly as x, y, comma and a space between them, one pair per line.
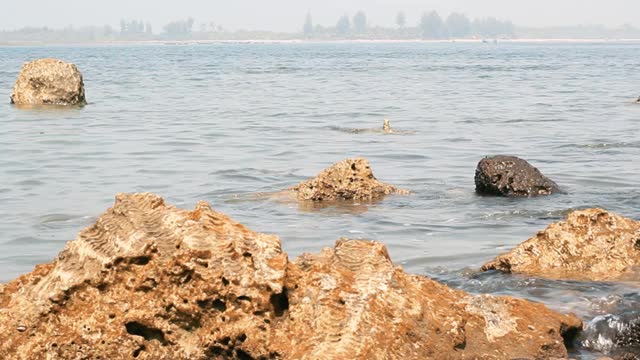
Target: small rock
22, 328
512, 177
386, 126
350, 179
49, 82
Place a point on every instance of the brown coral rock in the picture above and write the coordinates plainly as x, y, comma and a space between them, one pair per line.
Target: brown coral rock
590, 244
151, 281
351, 302
350, 179
49, 82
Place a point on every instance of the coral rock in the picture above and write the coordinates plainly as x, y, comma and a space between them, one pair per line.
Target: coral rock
48, 82
590, 244
350, 179
351, 302
151, 281
512, 177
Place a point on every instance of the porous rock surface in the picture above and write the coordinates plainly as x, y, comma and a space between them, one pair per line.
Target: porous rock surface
512, 177
590, 244
150, 281
49, 82
350, 179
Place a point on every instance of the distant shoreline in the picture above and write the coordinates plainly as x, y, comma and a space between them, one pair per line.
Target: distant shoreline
318, 41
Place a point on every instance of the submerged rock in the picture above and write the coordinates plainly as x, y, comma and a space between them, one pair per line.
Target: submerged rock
151, 281
386, 129
512, 177
590, 244
49, 82
350, 179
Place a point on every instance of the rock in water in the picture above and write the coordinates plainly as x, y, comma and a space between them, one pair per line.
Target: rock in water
49, 82
151, 281
512, 177
386, 126
590, 244
351, 302
350, 179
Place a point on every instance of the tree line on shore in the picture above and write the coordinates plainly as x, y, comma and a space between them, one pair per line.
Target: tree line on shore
430, 26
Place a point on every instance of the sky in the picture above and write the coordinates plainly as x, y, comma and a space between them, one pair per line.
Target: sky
288, 15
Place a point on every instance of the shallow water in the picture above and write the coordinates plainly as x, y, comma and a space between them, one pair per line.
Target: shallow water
221, 122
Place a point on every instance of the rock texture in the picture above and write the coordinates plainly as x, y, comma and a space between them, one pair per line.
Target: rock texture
351, 302
590, 244
48, 82
150, 281
350, 179
512, 177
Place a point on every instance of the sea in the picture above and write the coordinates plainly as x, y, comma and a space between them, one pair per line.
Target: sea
230, 122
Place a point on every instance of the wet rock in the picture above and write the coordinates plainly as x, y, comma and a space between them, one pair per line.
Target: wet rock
350, 179
617, 335
590, 244
615, 330
48, 82
512, 177
151, 281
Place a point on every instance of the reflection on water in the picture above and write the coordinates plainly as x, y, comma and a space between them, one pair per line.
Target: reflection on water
288, 198
48, 108
217, 121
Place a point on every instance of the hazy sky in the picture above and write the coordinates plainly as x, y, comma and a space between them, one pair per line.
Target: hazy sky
288, 15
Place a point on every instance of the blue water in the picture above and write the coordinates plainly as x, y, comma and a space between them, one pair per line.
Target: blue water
221, 122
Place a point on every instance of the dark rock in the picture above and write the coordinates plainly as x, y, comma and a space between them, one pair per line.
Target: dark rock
512, 177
